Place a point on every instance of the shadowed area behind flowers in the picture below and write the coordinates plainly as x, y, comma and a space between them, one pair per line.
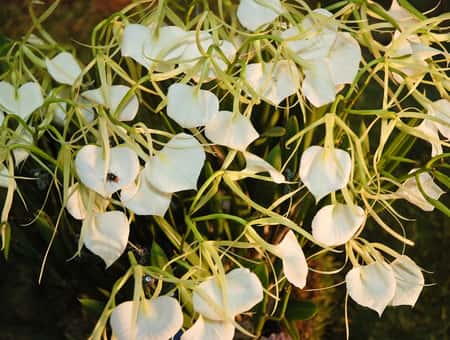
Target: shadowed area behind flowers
52, 310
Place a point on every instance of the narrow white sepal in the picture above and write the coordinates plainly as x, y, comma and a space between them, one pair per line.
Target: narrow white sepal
255, 164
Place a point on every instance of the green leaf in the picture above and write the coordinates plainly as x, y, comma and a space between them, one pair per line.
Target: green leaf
92, 306
274, 157
260, 270
300, 310
276, 131
157, 256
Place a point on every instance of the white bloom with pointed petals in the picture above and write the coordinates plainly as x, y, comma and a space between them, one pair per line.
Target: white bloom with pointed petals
335, 224
190, 106
231, 129
103, 178
144, 199
157, 319
273, 82
205, 329
111, 98
107, 235
409, 280
63, 68
372, 285
294, 263
23, 102
177, 166
410, 191
242, 289
255, 164
252, 14
324, 170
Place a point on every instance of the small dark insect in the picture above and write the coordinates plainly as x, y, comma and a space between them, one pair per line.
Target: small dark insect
110, 177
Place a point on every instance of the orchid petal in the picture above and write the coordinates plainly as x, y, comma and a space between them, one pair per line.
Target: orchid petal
22, 136
231, 129
273, 82
318, 85
344, 59
294, 263
191, 107
411, 192
409, 280
144, 199
402, 16
204, 329
121, 171
132, 44
431, 135
75, 205
4, 177
167, 45
372, 285
255, 164
177, 166
253, 14
324, 170
107, 235
336, 224
28, 99
116, 94
157, 319
63, 68
441, 110
242, 288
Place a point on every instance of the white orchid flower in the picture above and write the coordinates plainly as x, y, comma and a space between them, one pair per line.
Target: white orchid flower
330, 58
335, 224
409, 281
252, 14
409, 55
324, 170
439, 109
177, 166
106, 235
63, 68
189, 106
231, 129
157, 319
22, 102
291, 254
410, 191
144, 199
372, 285
148, 47
105, 179
111, 98
192, 54
273, 82
240, 292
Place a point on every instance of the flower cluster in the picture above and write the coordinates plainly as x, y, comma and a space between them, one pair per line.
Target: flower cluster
176, 118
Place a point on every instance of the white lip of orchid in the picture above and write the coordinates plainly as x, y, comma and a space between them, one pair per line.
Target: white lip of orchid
205, 329
430, 134
190, 106
159, 319
372, 285
192, 53
273, 82
177, 166
25, 101
63, 68
336, 224
231, 129
253, 14
139, 42
112, 98
409, 281
242, 290
21, 136
75, 204
122, 169
106, 235
324, 170
410, 191
143, 199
